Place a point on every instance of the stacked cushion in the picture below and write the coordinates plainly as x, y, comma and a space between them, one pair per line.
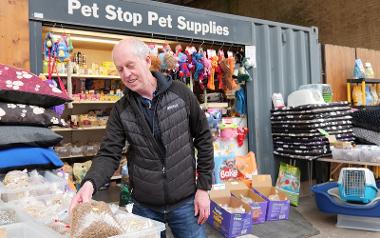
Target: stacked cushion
19, 86
22, 114
29, 158
24, 117
296, 130
14, 136
367, 125
367, 119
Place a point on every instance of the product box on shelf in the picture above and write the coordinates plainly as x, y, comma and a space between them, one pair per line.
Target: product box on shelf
257, 203
40, 183
278, 202
222, 217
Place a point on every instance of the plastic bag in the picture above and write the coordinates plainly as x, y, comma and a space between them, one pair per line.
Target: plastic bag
247, 167
288, 181
94, 219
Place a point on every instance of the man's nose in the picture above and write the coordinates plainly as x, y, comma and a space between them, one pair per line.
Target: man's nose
126, 73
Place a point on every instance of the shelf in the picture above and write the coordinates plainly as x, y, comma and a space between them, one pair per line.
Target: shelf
368, 108
86, 76
94, 102
76, 156
214, 105
348, 162
363, 80
79, 129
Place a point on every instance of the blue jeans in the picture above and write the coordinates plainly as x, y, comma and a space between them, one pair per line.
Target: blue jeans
181, 220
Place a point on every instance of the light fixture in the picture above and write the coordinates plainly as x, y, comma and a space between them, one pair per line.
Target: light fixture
95, 40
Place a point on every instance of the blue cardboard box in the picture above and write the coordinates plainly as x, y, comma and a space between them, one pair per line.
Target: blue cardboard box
229, 224
277, 209
259, 205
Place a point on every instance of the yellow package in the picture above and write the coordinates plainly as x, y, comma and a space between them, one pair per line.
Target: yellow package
357, 95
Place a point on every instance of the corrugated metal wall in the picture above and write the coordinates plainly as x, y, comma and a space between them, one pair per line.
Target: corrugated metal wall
287, 56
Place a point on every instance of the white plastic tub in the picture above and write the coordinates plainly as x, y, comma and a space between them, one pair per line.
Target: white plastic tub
358, 222
148, 228
351, 154
52, 185
27, 230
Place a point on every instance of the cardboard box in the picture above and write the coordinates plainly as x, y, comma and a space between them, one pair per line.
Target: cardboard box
277, 210
229, 224
259, 205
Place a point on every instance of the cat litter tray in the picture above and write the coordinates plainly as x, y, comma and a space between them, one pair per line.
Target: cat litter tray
304, 97
325, 90
333, 205
352, 216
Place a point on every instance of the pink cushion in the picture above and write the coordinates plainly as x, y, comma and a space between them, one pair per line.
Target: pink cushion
20, 86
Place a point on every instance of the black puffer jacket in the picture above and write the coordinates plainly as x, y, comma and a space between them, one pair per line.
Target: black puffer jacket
162, 172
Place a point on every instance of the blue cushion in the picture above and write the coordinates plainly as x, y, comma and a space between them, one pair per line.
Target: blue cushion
29, 157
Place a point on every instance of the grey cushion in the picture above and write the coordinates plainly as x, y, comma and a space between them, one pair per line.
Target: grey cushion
14, 136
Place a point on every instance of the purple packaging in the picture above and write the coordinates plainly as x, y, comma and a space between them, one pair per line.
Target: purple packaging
258, 207
278, 209
227, 223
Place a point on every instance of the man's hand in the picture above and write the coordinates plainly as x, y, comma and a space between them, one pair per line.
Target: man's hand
83, 195
202, 205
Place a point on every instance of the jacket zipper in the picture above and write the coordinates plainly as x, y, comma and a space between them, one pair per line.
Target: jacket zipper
163, 161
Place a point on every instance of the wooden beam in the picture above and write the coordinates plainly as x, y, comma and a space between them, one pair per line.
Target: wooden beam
14, 34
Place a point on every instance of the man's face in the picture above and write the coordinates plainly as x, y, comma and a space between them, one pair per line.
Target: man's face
133, 69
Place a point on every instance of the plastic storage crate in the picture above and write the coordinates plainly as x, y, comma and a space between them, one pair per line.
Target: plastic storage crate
358, 222
152, 231
11, 215
52, 184
46, 210
27, 230
351, 154
357, 185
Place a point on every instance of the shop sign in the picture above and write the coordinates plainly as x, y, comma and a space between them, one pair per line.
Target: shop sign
163, 19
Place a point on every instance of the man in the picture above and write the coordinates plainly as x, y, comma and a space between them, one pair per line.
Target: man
162, 122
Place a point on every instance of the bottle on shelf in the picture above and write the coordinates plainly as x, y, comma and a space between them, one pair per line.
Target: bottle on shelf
369, 71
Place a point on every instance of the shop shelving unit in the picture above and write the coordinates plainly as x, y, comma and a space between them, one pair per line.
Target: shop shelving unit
87, 76
363, 82
79, 129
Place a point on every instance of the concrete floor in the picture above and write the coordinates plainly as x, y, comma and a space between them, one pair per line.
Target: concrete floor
326, 223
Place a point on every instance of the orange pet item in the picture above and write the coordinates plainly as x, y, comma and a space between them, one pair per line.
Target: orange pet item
211, 79
247, 167
156, 63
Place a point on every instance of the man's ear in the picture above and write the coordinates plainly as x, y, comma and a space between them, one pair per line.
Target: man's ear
148, 60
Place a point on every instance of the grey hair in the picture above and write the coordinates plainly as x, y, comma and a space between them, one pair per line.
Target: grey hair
139, 47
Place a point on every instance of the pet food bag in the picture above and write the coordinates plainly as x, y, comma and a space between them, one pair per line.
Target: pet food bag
288, 181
